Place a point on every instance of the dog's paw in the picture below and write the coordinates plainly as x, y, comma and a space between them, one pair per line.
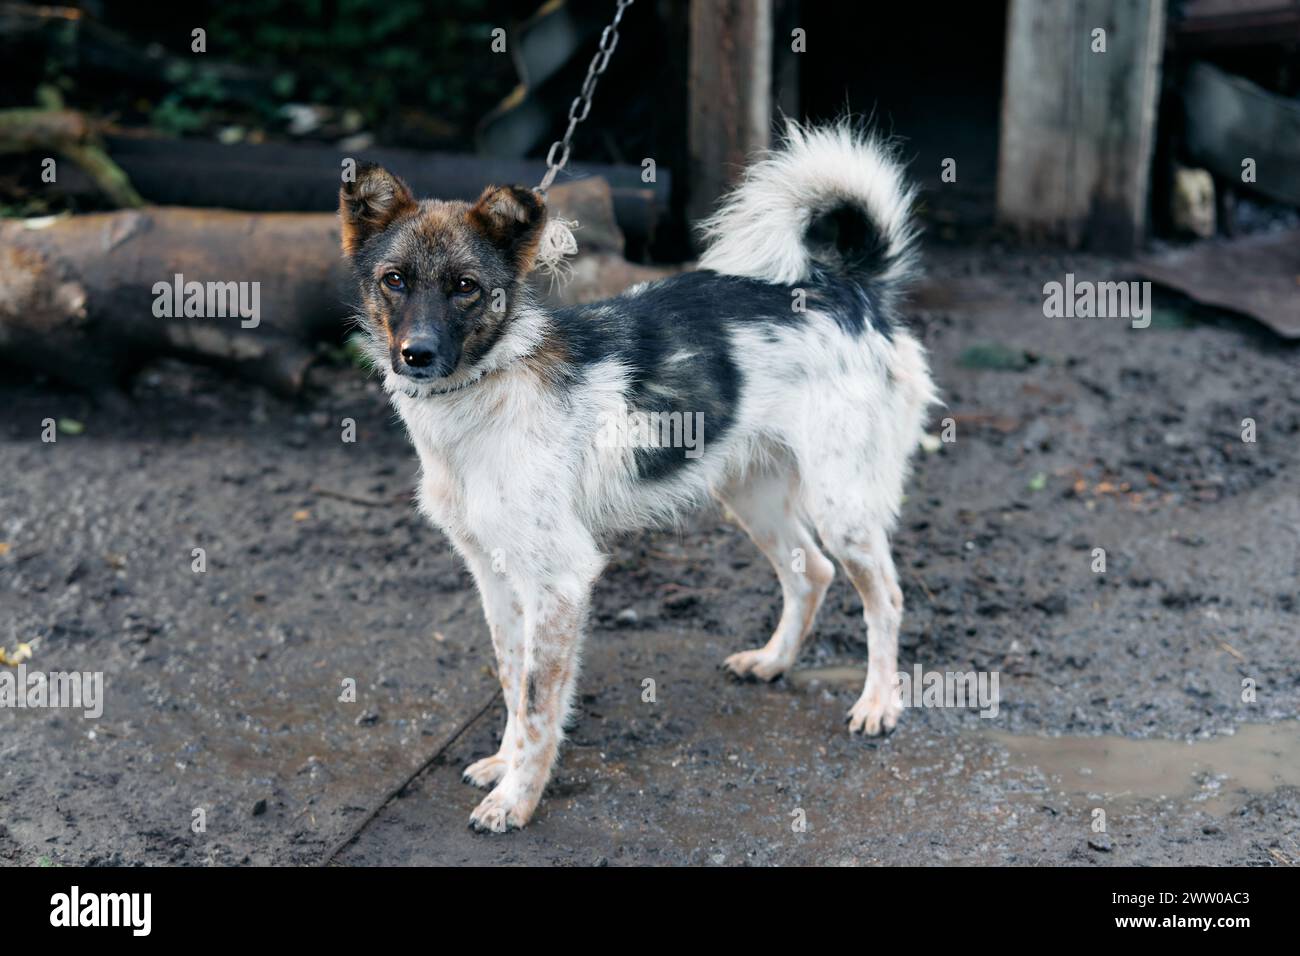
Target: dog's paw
486, 772
760, 663
499, 813
877, 710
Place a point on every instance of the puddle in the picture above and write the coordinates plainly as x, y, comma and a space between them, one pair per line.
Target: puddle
833, 676
1214, 772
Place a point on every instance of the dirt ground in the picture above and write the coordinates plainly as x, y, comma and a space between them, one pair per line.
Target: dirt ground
1120, 691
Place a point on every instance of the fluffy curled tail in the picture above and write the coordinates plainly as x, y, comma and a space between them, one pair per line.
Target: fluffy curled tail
832, 197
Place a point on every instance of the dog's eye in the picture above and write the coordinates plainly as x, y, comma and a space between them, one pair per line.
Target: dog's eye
466, 286
394, 281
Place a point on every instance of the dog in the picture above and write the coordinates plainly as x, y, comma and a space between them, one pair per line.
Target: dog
785, 346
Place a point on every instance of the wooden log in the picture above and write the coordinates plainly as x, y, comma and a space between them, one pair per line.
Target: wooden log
80, 296
1078, 125
283, 177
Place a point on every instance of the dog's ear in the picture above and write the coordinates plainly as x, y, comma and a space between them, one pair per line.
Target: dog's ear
370, 204
512, 219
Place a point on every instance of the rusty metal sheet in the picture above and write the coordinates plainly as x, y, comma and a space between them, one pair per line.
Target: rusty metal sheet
1257, 275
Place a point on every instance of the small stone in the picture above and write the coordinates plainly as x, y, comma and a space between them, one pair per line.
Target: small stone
1100, 842
1052, 604
680, 601
259, 808
626, 617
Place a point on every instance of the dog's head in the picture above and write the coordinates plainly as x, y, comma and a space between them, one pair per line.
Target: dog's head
438, 280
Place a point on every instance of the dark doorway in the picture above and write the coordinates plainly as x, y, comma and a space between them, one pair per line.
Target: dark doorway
930, 74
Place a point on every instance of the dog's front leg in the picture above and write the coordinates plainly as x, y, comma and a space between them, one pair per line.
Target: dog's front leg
505, 620
555, 606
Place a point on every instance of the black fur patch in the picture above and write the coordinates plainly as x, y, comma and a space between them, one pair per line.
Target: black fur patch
693, 314
847, 241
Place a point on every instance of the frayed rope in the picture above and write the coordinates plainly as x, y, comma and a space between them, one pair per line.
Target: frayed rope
556, 245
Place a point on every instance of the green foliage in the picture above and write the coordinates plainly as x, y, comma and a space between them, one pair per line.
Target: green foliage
1172, 318
995, 356
368, 55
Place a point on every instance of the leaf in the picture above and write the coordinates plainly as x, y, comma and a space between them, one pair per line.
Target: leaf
22, 653
70, 426
996, 356
1038, 482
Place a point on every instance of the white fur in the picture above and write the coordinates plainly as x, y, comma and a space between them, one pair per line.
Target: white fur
819, 445
758, 231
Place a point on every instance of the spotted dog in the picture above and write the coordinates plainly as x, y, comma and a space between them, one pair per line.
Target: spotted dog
785, 346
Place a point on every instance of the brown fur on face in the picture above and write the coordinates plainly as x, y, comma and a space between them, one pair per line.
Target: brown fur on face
433, 246
370, 204
512, 219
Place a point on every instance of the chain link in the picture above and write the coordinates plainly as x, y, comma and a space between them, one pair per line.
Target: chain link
558, 155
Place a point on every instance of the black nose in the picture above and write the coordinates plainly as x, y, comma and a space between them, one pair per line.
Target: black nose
418, 353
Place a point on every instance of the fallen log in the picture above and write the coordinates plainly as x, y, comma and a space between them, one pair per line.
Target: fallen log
79, 296
281, 177
92, 299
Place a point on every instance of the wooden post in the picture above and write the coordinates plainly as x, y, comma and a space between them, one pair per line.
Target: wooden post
1078, 125
730, 96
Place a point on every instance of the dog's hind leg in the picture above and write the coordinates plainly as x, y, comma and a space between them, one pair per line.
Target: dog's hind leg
505, 622
766, 505
862, 548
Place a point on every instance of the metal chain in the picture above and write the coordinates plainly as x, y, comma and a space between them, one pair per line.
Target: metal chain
581, 104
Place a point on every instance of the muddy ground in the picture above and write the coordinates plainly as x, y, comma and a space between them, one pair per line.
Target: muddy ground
222, 687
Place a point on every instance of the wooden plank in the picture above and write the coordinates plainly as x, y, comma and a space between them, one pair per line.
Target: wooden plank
1078, 126
730, 95
1211, 24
